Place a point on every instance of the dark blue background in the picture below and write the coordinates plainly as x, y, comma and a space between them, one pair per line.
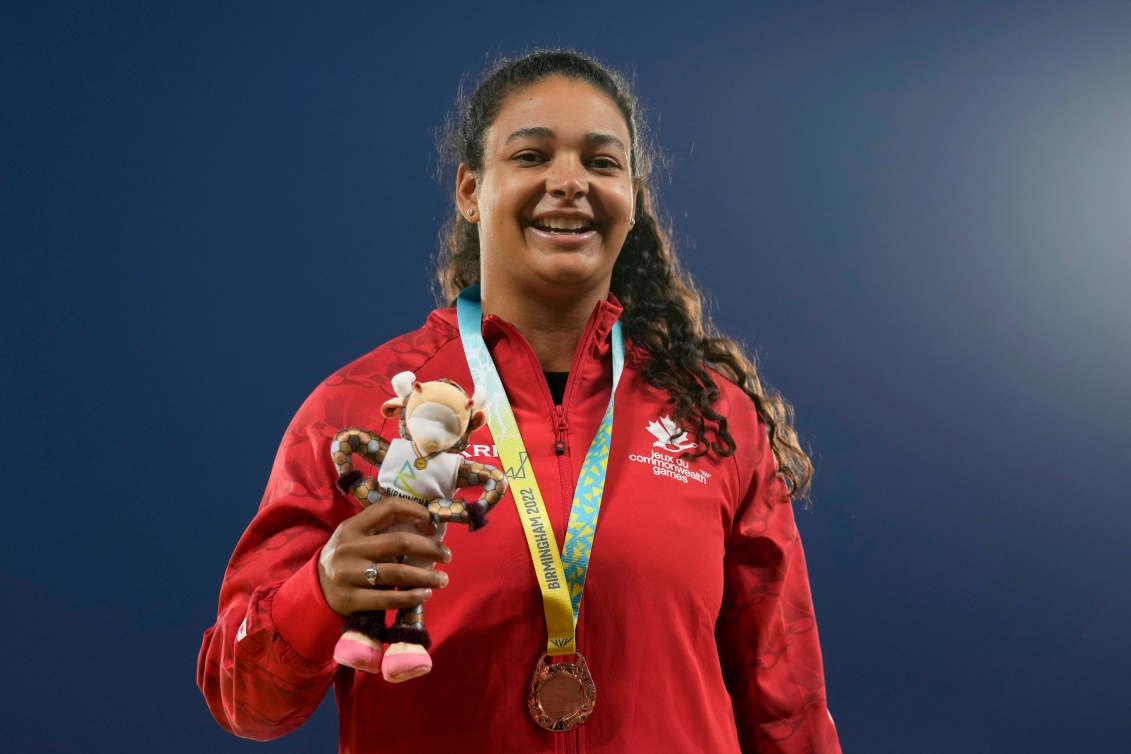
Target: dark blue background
918, 215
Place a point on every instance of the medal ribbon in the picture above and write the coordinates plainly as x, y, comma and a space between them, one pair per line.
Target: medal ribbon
555, 574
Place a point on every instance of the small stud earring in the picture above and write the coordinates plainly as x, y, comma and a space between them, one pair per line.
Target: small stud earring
632, 221
470, 211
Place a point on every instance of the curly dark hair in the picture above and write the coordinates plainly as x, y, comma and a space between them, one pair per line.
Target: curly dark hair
663, 309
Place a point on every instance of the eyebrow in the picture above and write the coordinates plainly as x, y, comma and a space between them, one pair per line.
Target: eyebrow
593, 137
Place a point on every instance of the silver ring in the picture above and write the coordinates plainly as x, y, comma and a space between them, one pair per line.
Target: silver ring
371, 574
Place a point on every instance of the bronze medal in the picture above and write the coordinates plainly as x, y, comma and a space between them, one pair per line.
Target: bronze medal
562, 694
420, 463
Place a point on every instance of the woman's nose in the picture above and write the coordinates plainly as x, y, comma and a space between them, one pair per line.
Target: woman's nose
567, 179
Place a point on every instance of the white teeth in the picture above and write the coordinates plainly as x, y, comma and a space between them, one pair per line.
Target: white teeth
563, 223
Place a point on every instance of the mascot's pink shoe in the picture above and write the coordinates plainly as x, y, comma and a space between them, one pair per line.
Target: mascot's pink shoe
405, 661
358, 654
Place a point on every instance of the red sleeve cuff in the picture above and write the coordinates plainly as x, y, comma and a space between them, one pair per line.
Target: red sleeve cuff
302, 616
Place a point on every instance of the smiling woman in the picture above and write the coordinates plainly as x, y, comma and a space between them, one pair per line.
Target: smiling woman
553, 200
638, 442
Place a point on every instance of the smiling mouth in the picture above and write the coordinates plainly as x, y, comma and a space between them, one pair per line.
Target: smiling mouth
567, 226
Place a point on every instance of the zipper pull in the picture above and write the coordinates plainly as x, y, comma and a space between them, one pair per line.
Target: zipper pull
559, 430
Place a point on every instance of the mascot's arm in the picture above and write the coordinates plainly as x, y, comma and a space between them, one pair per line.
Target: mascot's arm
369, 446
494, 484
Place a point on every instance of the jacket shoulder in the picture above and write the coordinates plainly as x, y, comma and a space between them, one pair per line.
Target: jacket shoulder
374, 371
733, 402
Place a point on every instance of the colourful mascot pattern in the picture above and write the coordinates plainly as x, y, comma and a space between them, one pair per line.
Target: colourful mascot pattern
424, 465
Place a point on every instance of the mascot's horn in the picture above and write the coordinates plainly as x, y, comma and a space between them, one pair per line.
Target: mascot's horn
402, 384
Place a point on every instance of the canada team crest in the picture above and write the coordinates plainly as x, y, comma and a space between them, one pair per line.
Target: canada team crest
673, 441
669, 436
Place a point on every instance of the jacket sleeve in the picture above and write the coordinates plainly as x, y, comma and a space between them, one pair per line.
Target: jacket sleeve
767, 635
267, 662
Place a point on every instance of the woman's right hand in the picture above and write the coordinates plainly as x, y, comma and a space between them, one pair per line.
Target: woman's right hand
357, 543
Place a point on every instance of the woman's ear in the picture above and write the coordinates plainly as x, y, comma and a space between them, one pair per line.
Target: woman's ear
467, 193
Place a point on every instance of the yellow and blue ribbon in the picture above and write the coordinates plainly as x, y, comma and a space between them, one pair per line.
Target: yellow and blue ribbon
560, 604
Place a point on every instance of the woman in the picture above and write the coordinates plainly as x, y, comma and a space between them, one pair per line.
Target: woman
696, 623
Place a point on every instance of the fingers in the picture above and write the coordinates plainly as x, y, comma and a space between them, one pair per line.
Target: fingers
398, 575
381, 599
363, 540
393, 510
396, 545
415, 585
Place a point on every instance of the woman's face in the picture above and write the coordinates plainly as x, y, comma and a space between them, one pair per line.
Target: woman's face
554, 199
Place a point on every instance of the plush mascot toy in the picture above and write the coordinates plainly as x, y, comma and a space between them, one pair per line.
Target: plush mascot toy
424, 464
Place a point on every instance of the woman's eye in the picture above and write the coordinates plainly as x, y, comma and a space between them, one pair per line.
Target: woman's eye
605, 163
527, 157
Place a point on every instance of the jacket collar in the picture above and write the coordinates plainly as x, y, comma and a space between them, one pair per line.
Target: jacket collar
590, 374
604, 315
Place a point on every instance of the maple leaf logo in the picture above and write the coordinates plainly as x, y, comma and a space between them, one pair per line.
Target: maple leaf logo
669, 436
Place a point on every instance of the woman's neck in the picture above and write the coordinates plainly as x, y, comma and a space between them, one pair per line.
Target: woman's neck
552, 328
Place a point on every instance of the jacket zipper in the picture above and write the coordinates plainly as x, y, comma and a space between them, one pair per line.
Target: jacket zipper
565, 469
560, 430
558, 418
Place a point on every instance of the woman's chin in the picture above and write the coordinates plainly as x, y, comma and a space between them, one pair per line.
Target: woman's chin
574, 268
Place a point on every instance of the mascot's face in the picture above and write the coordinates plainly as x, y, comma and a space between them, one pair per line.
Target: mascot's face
437, 415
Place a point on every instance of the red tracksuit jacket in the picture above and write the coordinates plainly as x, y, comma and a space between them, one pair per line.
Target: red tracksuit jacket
696, 621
